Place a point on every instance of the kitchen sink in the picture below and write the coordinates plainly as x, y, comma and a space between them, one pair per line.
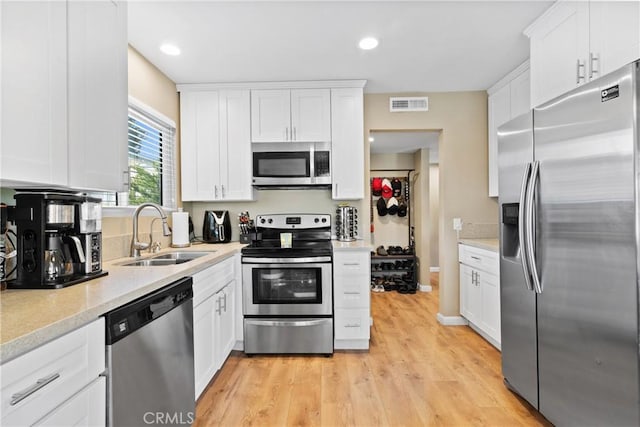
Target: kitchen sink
169, 258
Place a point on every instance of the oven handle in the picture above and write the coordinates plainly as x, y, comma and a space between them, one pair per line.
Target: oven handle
309, 260
285, 322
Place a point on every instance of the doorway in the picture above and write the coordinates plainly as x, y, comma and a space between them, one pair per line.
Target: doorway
412, 155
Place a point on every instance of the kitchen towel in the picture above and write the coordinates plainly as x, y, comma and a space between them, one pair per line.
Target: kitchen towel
180, 232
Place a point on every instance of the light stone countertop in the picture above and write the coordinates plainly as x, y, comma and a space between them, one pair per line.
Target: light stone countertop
357, 245
488, 244
30, 318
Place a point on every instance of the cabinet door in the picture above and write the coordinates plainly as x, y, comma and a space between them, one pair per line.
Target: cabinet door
200, 145
347, 144
87, 408
97, 104
470, 294
520, 88
614, 35
204, 362
559, 51
499, 113
270, 115
33, 138
225, 328
235, 146
311, 115
490, 317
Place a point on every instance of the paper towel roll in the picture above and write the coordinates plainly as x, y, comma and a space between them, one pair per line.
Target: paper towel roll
180, 232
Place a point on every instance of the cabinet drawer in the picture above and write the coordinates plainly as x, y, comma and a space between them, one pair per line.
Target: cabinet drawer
352, 324
481, 259
87, 408
50, 374
351, 264
209, 281
351, 292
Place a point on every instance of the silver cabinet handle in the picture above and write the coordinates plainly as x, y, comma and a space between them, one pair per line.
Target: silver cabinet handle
216, 191
352, 325
20, 396
476, 258
225, 302
351, 263
477, 278
473, 277
286, 134
294, 134
335, 189
351, 293
579, 65
530, 224
522, 229
223, 195
592, 67
218, 306
126, 180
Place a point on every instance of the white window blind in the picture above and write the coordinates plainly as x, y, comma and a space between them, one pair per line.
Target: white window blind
151, 148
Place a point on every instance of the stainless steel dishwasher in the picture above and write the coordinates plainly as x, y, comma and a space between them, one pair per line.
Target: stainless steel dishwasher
150, 379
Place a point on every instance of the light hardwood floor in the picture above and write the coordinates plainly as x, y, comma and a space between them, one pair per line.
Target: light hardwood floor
417, 373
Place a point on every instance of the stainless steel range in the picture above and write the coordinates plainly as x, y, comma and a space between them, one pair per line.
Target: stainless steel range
287, 285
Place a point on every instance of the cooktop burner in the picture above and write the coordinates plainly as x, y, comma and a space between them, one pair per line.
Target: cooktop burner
310, 236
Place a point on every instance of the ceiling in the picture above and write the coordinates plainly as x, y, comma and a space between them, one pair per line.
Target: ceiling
425, 46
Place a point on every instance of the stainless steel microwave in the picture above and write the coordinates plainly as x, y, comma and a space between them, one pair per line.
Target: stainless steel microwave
291, 164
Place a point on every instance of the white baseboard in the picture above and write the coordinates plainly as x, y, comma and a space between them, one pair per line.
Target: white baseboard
434, 269
424, 288
351, 344
451, 320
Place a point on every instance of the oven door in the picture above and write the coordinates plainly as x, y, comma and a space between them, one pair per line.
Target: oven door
287, 286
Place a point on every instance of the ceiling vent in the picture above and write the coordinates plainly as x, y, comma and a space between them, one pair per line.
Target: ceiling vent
399, 104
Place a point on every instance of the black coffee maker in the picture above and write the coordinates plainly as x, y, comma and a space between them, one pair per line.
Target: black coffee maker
216, 227
59, 239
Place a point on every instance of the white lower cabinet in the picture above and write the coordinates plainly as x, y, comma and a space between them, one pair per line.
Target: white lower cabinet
351, 299
480, 291
87, 408
57, 383
213, 320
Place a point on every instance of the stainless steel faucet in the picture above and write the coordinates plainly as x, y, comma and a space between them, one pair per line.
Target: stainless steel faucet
137, 246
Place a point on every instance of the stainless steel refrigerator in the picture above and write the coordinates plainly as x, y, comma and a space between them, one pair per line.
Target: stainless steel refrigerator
569, 244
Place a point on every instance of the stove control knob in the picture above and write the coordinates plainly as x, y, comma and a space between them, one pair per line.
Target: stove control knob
262, 220
324, 220
270, 220
316, 220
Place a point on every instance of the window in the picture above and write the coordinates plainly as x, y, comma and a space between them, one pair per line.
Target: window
150, 148
151, 158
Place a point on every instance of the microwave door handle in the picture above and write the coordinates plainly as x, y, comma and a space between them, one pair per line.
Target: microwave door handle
312, 164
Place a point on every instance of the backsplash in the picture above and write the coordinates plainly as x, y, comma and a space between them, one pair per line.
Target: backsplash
478, 231
118, 231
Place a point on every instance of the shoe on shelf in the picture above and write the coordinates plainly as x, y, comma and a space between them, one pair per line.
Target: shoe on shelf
381, 251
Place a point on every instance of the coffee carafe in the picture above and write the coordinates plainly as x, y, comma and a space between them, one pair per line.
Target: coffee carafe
59, 239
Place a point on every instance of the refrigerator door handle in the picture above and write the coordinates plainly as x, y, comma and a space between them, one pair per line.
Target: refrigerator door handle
522, 228
530, 226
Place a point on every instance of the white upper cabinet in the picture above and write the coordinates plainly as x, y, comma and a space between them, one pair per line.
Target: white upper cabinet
347, 145
235, 148
97, 58
507, 99
199, 144
64, 94
296, 115
215, 145
311, 115
575, 42
34, 92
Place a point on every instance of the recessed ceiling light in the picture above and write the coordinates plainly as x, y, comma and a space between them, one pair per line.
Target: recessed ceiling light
170, 49
368, 43
371, 139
